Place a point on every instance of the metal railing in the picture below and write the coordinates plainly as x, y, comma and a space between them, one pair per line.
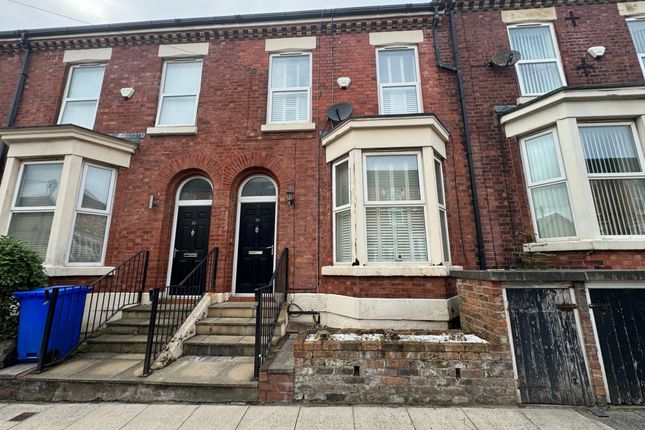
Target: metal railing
268, 302
76, 312
170, 306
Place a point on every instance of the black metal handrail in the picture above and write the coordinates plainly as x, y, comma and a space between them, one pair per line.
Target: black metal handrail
77, 312
167, 315
268, 302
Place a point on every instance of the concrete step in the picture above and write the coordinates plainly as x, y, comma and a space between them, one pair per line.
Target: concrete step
217, 345
227, 326
232, 310
118, 343
132, 326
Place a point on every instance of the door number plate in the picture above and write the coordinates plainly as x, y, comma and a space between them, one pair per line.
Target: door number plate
255, 252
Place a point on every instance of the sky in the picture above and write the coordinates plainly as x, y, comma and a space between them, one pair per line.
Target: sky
26, 14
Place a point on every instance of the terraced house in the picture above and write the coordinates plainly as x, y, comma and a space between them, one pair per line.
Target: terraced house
470, 165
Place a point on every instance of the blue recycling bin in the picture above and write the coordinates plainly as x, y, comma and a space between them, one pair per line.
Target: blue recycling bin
66, 324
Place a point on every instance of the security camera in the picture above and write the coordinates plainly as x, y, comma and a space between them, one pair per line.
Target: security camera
343, 82
127, 93
596, 52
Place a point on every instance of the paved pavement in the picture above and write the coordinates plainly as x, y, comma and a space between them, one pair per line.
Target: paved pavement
98, 416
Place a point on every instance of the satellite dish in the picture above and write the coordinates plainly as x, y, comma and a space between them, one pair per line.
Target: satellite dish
505, 58
339, 112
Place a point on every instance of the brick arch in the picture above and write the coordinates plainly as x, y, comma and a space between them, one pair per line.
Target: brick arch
232, 172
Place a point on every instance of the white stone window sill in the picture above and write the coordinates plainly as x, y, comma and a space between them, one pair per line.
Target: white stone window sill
292, 126
585, 245
77, 270
385, 271
166, 130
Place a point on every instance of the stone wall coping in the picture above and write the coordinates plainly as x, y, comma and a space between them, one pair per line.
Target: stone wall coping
551, 275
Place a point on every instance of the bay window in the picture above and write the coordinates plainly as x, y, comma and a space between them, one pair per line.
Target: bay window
289, 99
82, 95
539, 70
443, 213
398, 80
342, 213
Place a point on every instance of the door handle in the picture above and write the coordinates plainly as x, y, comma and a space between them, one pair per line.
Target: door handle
269, 247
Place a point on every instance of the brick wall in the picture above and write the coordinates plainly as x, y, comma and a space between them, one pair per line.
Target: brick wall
401, 372
275, 387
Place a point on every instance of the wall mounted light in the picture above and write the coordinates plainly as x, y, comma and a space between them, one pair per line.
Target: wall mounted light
152, 202
290, 196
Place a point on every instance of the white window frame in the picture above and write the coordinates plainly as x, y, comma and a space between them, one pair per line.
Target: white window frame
639, 55
396, 204
442, 207
162, 95
557, 59
80, 99
80, 209
530, 185
417, 84
610, 176
342, 208
289, 89
32, 209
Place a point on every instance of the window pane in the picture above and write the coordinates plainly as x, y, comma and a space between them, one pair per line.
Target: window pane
178, 111
32, 228
610, 149
397, 66
398, 100
620, 206
97, 188
342, 184
392, 178
542, 158
86, 82
343, 237
637, 29
396, 234
439, 180
79, 113
87, 241
289, 106
290, 72
258, 187
182, 78
196, 189
552, 211
540, 78
39, 185
444, 235
534, 43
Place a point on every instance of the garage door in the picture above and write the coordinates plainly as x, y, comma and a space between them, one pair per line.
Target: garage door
619, 315
548, 355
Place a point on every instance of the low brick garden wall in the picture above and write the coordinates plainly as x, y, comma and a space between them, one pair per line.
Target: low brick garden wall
393, 371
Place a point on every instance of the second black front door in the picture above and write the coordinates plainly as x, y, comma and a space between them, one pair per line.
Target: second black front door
191, 246
255, 246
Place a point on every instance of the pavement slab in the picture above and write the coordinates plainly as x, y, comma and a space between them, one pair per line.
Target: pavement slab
440, 419
12, 410
223, 417
498, 419
15, 370
621, 419
60, 417
377, 418
269, 417
161, 417
560, 419
325, 418
109, 416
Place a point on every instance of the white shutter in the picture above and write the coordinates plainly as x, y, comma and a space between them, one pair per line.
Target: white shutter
343, 236
398, 81
289, 106
400, 100
396, 234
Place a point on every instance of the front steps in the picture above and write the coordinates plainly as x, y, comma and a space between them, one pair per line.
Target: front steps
127, 335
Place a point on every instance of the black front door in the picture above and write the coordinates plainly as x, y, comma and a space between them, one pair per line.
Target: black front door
191, 246
255, 246
620, 322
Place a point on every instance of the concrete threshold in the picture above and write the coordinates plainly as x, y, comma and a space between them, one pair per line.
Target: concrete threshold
112, 377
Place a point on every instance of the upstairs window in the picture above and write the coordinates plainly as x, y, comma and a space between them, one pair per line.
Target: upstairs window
180, 87
398, 81
540, 69
34, 204
289, 88
82, 95
637, 30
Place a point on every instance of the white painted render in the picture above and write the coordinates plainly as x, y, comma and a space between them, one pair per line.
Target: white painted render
78, 56
183, 50
384, 38
289, 44
528, 15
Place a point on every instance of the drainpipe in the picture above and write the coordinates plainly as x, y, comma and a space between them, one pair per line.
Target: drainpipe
17, 97
449, 6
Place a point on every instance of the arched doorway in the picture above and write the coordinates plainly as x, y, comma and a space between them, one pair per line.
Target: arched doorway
191, 227
255, 238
